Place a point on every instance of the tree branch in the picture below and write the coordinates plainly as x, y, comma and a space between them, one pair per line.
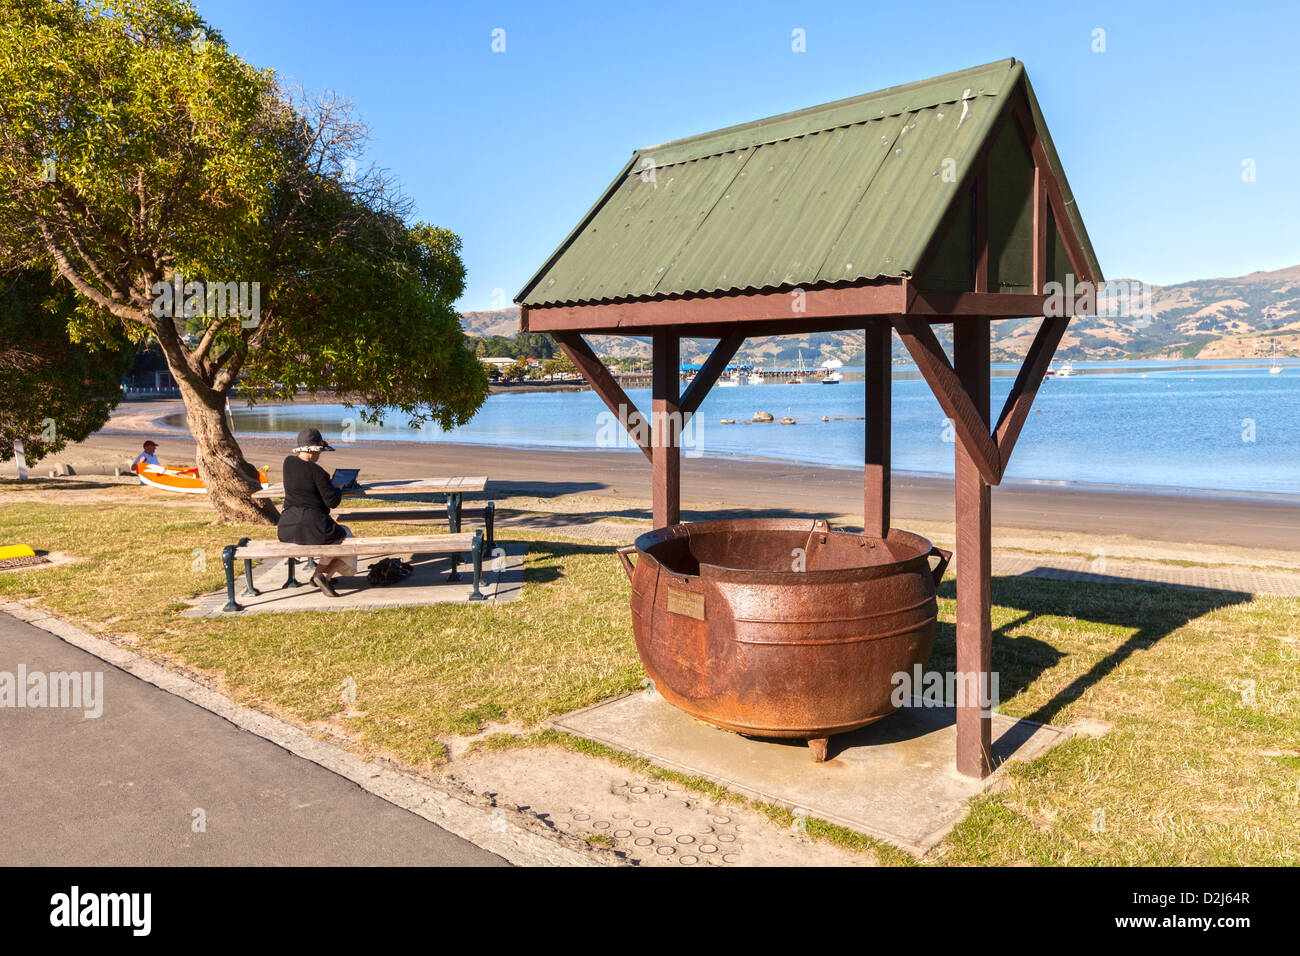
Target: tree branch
66, 269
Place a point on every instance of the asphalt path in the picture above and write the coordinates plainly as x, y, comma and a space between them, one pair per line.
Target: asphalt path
155, 780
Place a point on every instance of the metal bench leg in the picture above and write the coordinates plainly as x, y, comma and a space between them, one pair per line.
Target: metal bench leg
228, 562
489, 518
292, 580
476, 594
453, 513
248, 579
455, 574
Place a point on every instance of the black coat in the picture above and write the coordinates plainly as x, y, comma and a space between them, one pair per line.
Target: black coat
308, 498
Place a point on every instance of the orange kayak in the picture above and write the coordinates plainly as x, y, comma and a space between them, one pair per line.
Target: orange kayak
173, 478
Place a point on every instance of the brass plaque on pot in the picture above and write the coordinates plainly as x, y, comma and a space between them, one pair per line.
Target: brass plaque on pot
685, 603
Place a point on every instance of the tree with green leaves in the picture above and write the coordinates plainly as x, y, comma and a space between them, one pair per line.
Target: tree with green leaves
53, 389
559, 366
194, 200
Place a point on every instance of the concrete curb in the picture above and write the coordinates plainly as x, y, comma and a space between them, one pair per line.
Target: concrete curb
483, 827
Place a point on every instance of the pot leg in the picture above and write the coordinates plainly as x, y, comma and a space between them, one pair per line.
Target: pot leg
817, 746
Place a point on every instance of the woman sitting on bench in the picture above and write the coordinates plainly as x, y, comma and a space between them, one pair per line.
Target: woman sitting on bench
308, 498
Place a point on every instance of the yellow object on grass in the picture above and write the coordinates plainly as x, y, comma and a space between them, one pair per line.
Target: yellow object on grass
15, 551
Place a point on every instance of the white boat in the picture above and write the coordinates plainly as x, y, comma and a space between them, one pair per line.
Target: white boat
831, 374
1065, 371
1275, 369
797, 377
729, 381
755, 378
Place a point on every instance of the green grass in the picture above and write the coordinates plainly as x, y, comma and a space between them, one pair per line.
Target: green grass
1202, 767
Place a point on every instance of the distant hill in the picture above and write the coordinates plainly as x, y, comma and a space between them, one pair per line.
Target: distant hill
1242, 317
496, 322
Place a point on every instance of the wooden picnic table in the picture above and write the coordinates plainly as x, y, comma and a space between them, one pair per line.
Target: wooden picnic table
454, 490
399, 486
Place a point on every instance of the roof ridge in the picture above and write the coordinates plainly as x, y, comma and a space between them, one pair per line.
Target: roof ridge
839, 114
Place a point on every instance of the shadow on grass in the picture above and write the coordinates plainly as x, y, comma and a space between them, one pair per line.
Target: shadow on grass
59, 484
548, 557
1151, 611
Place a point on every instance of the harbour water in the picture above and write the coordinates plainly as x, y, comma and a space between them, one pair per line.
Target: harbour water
1157, 424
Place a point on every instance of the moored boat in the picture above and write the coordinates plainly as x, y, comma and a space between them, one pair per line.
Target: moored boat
183, 480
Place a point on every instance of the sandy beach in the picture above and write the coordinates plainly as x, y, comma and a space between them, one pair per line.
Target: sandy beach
616, 484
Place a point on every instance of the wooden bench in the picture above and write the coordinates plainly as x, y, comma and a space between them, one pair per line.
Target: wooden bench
247, 550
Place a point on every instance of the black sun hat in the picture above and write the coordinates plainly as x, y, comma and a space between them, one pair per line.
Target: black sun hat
309, 439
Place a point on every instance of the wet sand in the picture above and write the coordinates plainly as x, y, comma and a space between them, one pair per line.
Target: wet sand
711, 485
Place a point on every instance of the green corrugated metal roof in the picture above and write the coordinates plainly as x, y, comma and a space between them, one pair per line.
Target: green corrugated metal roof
850, 190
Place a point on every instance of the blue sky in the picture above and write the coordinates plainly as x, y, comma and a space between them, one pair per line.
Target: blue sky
510, 149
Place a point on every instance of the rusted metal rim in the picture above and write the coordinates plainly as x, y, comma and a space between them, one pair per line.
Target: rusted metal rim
921, 548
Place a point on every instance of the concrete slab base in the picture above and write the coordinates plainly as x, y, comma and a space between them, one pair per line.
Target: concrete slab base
503, 580
894, 780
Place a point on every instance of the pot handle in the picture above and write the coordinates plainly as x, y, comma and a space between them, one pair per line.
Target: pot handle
628, 566
944, 557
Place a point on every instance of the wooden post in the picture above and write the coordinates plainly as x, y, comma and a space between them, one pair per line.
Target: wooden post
974, 559
875, 509
666, 462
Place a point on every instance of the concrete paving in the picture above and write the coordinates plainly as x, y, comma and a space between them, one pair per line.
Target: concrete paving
647, 822
157, 780
894, 780
503, 581
1101, 570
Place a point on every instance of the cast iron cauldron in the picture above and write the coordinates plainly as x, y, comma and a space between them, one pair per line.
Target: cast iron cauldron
782, 627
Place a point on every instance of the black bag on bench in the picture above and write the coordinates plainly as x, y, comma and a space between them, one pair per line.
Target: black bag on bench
388, 571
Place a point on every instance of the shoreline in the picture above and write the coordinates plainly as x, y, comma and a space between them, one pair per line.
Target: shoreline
159, 425
617, 484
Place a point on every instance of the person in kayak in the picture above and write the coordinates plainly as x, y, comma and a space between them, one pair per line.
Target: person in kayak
308, 498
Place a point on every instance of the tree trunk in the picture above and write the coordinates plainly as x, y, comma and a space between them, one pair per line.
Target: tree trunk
229, 479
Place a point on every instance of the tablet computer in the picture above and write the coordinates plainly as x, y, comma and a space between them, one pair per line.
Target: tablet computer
344, 478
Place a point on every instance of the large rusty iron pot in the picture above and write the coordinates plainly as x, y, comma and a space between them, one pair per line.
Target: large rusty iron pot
782, 627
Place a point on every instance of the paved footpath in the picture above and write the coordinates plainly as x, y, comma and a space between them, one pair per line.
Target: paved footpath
123, 788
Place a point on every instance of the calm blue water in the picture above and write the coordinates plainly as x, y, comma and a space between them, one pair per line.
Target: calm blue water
1136, 424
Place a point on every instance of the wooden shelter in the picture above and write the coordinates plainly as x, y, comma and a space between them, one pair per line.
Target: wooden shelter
939, 202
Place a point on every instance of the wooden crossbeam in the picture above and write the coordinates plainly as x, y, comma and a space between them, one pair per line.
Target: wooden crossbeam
707, 376
730, 311
969, 426
603, 384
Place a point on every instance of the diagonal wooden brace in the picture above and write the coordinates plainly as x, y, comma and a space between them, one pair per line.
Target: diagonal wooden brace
967, 423
1030, 377
707, 376
602, 382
